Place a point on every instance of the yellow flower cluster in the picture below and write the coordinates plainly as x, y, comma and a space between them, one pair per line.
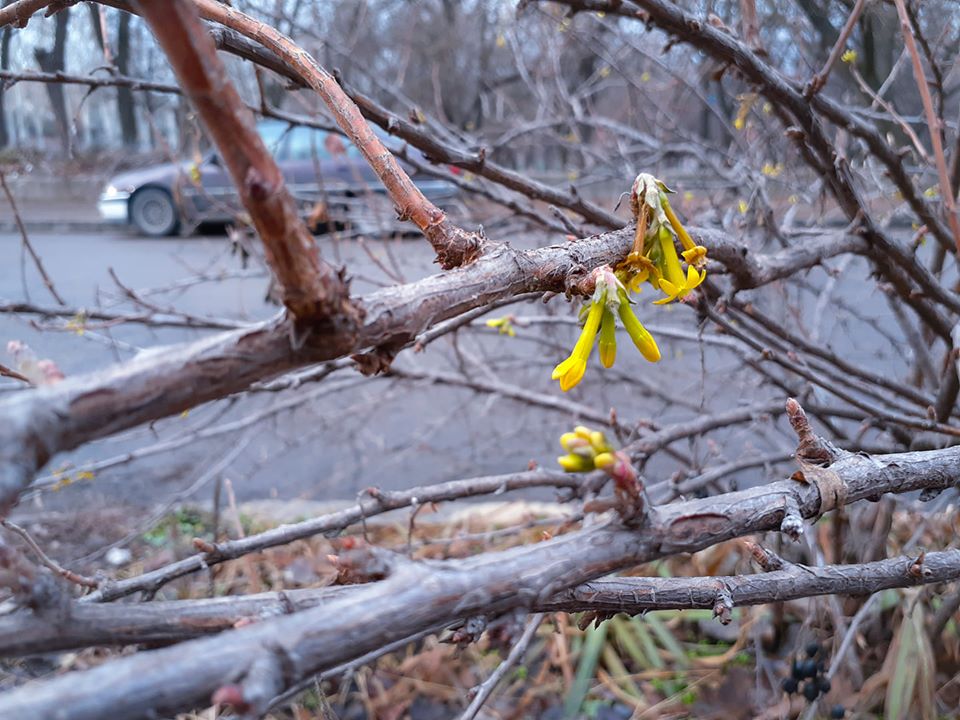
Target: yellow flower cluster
653, 259
504, 325
609, 297
586, 450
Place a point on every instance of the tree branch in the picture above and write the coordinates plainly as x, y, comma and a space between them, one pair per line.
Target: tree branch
311, 289
86, 625
419, 595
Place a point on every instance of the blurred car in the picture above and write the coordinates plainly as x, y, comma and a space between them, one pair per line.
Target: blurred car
327, 175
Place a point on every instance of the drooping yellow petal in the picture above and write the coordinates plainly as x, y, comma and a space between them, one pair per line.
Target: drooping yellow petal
685, 239
671, 262
562, 368
670, 289
570, 371
694, 278
572, 377
608, 339
589, 333
637, 332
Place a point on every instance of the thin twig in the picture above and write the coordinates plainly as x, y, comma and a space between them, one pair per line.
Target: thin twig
933, 123
484, 689
25, 238
820, 79
46, 561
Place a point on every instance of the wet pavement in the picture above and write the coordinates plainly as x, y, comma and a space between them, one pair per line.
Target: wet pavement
330, 440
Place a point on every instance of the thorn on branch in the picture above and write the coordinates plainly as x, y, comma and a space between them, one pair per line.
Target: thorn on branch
917, 569
205, 547
766, 559
594, 617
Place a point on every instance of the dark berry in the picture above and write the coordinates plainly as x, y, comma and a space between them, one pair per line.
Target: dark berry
789, 685
837, 711
812, 649
824, 684
795, 671
821, 667
808, 668
810, 690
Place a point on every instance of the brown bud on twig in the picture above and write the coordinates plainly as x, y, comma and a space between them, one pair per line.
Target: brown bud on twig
468, 633
766, 559
916, 568
232, 696
723, 606
811, 448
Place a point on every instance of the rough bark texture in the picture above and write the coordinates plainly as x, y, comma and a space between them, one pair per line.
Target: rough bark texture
420, 595
87, 625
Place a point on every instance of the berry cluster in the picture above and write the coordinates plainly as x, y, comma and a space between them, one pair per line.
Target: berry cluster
812, 672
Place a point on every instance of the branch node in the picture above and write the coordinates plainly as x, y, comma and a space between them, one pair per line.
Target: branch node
468, 633
723, 605
792, 523
766, 559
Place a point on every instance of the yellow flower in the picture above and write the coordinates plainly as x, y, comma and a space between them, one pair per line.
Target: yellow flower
849, 56
503, 324
608, 338
696, 256
575, 463
583, 446
570, 371
637, 332
78, 323
674, 282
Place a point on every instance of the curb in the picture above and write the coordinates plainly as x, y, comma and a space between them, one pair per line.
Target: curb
78, 226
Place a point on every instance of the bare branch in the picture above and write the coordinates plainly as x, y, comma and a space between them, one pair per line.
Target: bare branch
419, 595
25, 239
933, 123
453, 246
311, 289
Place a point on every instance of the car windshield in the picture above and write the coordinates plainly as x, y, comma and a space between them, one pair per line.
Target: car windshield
298, 142
272, 132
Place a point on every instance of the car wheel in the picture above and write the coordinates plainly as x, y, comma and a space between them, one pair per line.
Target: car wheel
153, 213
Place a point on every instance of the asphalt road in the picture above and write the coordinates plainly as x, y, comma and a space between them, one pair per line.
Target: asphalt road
321, 441
332, 439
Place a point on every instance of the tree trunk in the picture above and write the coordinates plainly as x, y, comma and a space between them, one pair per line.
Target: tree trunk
126, 104
4, 65
52, 61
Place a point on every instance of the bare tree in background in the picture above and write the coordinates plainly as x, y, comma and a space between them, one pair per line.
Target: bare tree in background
53, 60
